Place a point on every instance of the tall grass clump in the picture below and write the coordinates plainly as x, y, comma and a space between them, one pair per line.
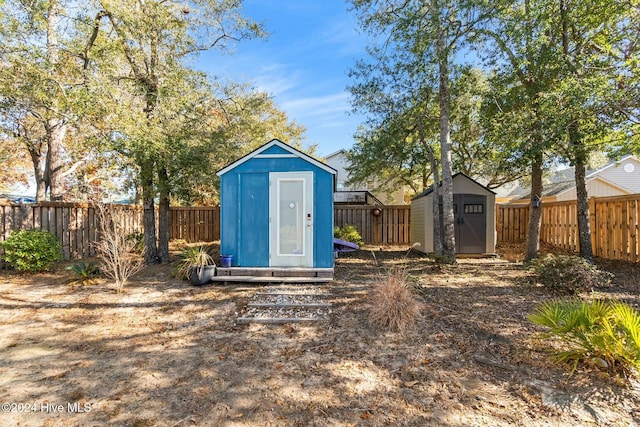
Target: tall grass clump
393, 304
603, 333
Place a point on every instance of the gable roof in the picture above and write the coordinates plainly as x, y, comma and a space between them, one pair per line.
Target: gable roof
564, 180
613, 163
557, 188
340, 151
550, 189
429, 190
276, 142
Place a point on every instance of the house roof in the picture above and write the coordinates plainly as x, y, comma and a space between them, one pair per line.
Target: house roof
550, 189
340, 151
564, 180
17, 198
429, 190
257, 153
611, 164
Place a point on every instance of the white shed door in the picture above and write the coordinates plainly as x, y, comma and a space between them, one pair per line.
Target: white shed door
291, 219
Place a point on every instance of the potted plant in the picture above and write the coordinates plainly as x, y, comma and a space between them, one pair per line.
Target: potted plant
196, 265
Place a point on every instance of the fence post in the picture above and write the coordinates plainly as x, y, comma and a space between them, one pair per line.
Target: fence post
593, 224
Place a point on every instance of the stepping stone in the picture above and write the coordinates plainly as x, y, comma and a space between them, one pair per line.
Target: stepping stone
274, 307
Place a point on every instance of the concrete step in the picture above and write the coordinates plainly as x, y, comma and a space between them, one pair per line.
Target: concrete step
276, 320
288, 305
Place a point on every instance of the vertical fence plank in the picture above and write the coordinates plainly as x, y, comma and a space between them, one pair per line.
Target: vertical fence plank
624, 229
634, 206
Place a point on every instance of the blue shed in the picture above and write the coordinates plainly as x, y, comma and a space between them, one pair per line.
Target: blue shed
276, 215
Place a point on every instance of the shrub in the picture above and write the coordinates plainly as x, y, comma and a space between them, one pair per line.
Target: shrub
119, 260
84, 271
569, 274
348, 233
393, 304
31, 250
606, 334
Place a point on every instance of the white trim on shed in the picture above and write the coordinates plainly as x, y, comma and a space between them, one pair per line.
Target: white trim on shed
294, 153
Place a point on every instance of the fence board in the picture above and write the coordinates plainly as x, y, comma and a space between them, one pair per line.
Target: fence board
633, 230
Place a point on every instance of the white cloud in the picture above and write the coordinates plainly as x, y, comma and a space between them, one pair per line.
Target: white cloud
276, 79
343, 35
319, 107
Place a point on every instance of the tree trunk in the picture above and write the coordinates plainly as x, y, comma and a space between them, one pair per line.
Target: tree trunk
448, 228
163, 215
584, 222
56, 133
56, 128
578, 151
38, 172
149, 213
535, 214
437, 224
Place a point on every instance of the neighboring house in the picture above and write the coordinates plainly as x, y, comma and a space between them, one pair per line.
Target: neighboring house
15, 198
615, 179
365, 194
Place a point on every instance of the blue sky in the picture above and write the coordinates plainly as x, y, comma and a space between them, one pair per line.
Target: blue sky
303, 65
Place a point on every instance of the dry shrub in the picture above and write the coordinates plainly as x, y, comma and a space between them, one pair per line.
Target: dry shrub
393, 305
569, 274
117, 252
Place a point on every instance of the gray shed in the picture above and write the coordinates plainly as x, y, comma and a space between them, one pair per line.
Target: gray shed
475, 217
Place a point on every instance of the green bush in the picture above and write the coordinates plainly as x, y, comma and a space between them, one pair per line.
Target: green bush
31, 250
569, 274
348, 233
605, 334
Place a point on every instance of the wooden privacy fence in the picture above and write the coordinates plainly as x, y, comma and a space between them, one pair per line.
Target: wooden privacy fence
194, 224
511, 222
74, 224
376, 224
615, 235
614, 225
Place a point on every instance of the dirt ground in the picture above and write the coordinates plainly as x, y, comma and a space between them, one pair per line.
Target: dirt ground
166, 353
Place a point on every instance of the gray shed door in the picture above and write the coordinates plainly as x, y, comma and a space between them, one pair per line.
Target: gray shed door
470, 212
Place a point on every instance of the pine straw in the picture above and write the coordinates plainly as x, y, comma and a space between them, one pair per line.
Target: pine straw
392, 304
